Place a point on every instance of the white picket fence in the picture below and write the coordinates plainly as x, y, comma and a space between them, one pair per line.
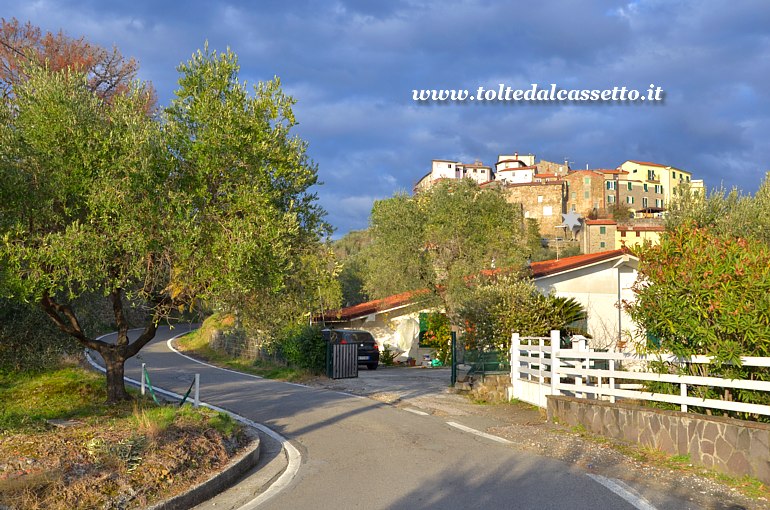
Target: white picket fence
539, 367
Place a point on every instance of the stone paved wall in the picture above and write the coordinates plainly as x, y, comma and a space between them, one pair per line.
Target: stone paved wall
488, 387
735, 447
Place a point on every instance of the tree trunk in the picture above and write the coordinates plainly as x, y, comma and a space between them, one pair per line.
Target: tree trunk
115, 362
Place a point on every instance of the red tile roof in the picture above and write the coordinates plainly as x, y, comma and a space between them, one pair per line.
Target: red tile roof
611, 171
647, 163
378, 305
543, 268
601, 222
548, 267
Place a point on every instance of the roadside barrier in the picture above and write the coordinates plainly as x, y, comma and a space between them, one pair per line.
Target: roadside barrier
195, 384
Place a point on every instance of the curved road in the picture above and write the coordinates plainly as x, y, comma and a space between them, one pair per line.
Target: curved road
358, 453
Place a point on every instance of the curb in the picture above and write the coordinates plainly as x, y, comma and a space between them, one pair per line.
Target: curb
223, 480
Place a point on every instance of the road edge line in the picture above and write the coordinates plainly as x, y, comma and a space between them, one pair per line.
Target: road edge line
293, 455
478, 433
622, 490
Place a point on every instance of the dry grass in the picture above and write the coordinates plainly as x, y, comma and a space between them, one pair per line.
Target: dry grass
124, 456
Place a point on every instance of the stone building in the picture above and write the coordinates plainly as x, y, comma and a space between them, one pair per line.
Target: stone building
542, 201
585, 193
597, 236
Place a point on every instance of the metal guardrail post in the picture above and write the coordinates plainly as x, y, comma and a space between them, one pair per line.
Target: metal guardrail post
453, 376
144, 365
197, 400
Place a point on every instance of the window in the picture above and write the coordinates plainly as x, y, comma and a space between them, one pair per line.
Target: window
638, 234
658, 202
651, 175
622, 233
602, 230
586, 195
573, 209
610, 185
602, 244
449, 165
644, 202
574, 195
673, 175
688, 178
645, 187
587, 181
610, 199
629, 200
630, 187
547, 210
540, 199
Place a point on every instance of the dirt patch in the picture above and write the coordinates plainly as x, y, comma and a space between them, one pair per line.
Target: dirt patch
108, 466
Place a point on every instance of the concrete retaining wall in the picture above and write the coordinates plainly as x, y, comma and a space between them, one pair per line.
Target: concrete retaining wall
734, 447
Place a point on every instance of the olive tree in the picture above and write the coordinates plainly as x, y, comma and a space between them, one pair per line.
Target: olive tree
211, 202
441, 238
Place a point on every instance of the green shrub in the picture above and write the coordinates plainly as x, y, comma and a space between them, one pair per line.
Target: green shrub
303, 347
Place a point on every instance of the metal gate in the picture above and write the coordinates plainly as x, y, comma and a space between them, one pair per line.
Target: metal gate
342, 361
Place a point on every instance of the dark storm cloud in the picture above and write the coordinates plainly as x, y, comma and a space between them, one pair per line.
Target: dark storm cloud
352, 66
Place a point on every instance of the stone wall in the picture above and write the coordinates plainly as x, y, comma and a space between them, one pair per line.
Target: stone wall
541, 201
735, 447
487, 387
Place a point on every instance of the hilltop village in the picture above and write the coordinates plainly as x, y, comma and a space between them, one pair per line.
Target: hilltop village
600, 209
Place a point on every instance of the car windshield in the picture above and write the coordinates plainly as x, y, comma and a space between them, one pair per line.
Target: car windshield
358, 337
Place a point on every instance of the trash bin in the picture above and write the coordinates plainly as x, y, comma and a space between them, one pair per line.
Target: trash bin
341, 357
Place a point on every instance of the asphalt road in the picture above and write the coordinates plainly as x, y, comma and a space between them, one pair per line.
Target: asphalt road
360, 453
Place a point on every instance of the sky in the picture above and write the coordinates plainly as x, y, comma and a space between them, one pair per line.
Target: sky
352, 67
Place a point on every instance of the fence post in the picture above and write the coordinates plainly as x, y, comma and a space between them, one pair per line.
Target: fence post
143, 369
196, 401
612, 380
555, 352
515, 363
683, 393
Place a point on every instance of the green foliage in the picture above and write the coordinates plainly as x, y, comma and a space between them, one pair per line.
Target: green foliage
29, 340
438, 336
495, 309
731, 213
211, 203
701, 292
439, 238
304, 347
388, 356
349, 251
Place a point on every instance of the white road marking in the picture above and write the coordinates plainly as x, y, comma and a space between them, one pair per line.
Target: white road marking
293, 456
622, 490
478, 432
415, 411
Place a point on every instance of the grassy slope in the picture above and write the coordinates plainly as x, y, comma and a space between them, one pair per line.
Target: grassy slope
135, 453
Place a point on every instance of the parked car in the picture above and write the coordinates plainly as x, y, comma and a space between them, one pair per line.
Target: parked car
368, 350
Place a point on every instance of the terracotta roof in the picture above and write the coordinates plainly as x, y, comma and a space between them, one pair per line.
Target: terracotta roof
378, 305
601, 222
613, 171
646, 163
538, 269
546, 175
549, 267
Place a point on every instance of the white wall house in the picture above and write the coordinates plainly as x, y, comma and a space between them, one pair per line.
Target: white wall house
599, 282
